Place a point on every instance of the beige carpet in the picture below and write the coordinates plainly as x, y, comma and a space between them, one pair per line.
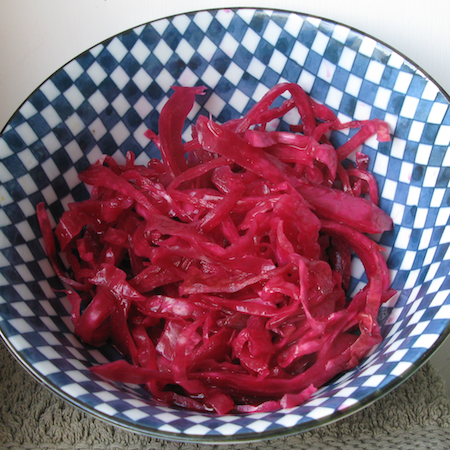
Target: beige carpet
414, 416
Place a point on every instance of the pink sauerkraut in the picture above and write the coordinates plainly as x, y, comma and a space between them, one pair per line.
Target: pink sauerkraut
222, 271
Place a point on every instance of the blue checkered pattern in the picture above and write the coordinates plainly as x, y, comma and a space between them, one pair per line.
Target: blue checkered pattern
104, 100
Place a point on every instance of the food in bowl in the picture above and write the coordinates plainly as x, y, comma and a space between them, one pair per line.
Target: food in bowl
222, 271
104, 100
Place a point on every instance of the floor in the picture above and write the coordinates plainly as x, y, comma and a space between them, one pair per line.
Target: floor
441, 361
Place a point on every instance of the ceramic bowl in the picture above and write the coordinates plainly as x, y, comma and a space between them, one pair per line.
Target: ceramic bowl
102, 102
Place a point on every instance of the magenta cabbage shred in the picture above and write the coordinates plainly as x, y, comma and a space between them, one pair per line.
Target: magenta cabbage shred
221, 272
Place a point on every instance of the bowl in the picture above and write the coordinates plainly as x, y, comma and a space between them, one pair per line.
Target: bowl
102, 102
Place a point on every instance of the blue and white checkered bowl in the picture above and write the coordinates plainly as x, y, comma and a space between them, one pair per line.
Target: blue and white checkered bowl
104, 100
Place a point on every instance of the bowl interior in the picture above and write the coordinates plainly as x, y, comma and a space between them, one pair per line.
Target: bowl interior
105, 99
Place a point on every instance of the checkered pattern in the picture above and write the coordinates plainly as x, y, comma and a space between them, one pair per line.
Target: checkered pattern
104, 100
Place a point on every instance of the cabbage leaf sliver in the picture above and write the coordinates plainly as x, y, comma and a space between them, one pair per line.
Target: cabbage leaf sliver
221, 272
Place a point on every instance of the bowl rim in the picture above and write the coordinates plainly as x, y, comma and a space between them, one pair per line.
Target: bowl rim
244, 437
235, 8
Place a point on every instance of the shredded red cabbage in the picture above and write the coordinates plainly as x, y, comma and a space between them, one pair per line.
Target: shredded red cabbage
221, 272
